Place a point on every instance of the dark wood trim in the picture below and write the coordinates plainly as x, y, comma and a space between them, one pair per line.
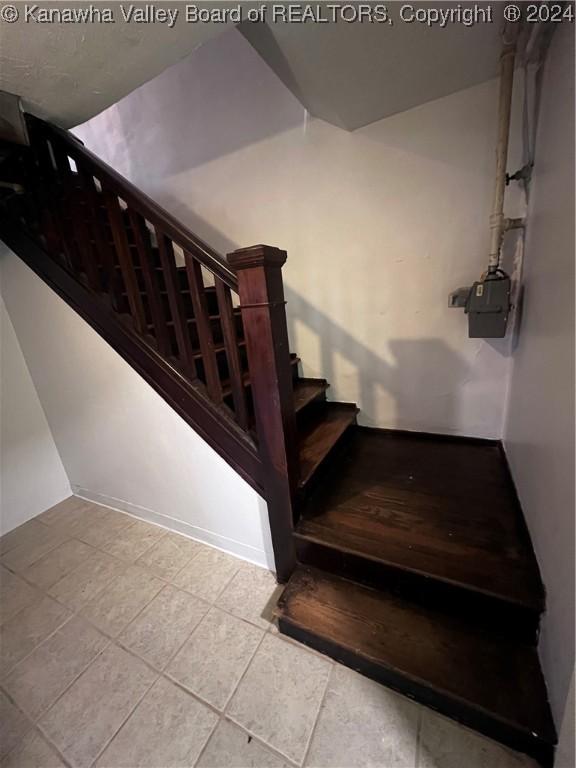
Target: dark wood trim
190, 402
408, 433
262, 304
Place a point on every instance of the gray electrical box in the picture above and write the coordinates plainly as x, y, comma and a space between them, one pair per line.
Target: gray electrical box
487, 304
488, 308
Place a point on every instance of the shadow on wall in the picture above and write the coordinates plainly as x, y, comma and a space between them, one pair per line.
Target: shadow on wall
370, 375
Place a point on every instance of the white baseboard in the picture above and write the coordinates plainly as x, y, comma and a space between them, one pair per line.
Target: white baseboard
231, 546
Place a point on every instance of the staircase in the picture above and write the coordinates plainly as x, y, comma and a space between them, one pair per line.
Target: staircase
405, 555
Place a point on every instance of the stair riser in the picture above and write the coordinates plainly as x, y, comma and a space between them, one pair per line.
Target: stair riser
301, 415
322, 471
440, 701
511, 620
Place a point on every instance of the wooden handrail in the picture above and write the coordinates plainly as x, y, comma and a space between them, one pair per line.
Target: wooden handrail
154, 213
124, 247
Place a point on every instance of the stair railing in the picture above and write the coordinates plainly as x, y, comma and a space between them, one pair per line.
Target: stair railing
141, 263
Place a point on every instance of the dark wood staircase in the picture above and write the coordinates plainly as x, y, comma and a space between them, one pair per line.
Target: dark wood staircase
406, 555
416, 569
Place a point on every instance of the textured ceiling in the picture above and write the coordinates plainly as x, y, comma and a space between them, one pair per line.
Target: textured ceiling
347, 74
68, 72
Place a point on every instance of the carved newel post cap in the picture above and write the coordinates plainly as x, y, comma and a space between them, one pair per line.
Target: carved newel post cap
257, 256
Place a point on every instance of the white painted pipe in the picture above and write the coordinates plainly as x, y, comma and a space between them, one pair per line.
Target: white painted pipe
507, 60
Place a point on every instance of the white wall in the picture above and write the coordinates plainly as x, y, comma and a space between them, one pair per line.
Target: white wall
539, 435
120, 443
32, 477
380, 224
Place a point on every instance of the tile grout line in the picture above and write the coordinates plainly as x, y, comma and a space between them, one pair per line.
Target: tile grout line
205, 745
50, 743
418, 734
5, 535
70, 572
243, 675
178, 649
194, 556
248, 663
128, 716
317, 718
180, 684
106, 632
7, 674
29, 722
15, 572
43, 714
225, 719
262, 743
35, 720
163, 534
229, 716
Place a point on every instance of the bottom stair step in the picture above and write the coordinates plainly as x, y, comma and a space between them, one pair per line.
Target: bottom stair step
485, 682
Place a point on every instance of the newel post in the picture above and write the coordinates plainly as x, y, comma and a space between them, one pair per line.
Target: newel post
259, 271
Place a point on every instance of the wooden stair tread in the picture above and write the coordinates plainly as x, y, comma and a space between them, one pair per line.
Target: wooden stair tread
494, 685
320, 437
439, 508
308, 390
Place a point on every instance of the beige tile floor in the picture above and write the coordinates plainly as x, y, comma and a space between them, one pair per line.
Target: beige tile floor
124, 645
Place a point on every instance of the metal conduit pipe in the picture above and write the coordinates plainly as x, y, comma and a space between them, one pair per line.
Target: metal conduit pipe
497, 223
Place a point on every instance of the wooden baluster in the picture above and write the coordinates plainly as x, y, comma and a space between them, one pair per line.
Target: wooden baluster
142, 239
259, 271
53, 204
82, 258
183, 340
36, 162
125, 259
83, 226
203, 327
94, 214
230, 334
